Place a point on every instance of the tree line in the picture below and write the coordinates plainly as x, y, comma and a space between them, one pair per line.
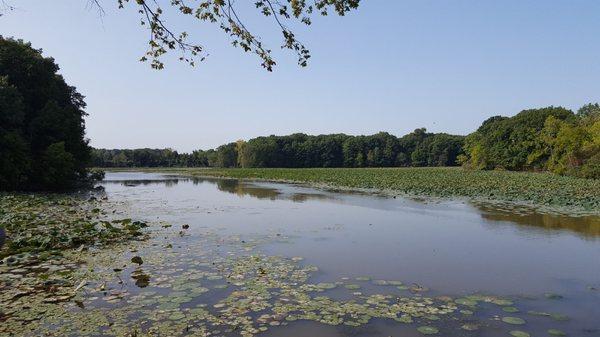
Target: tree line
418, 148
43, 144
552, 139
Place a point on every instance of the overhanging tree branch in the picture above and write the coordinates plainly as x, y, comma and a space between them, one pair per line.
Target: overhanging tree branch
163, 37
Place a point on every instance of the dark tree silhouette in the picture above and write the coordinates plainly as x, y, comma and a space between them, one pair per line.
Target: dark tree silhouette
42, 130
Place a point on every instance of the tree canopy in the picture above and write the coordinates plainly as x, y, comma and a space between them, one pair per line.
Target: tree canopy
42, 130
552, 138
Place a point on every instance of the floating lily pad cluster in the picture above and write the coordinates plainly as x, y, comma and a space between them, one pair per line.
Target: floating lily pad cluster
43, 224
215, 287
41, 231
213, 284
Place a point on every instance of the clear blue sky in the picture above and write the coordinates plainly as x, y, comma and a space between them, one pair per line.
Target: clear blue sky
390, 66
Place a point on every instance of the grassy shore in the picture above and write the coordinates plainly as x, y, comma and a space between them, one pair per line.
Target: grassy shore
545, 190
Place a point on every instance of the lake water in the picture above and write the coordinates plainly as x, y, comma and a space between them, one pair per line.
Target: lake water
544, 264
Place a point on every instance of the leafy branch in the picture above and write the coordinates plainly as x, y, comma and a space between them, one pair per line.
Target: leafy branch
223, 13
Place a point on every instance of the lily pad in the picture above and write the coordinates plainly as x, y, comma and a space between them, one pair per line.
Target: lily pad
559, 317
519, 333
428, 330
404, 319
502, 302
556, 332
513, 320
538, 313
465, 301
552, 296
510, 309
325, 285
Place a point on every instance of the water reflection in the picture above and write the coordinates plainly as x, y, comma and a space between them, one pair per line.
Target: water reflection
168, 182
586, 226
241, 189
527, 219
233, 186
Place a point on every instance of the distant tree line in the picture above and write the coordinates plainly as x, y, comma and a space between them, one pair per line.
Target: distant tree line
418, 148
551, 139
152, 158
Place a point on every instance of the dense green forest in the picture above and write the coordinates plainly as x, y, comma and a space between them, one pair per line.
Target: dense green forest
418, 148
551, 139
42, 143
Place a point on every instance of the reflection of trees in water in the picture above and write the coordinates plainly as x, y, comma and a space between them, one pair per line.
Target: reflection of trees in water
300, 197
227, 185
586, 226
241, 189
145, 182
166, 182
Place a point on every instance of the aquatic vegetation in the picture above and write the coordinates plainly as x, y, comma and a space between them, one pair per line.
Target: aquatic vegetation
538, 313
175, 293
513, 320
546, 191
552, 296
466, 301
46, 234
556, 332
209, 283
519, 333
428, 330
43, 225
559, 317
263, 292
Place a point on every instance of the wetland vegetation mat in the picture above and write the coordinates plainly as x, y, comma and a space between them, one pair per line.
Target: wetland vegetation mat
71, 270
80, 266
47, 237
548, 192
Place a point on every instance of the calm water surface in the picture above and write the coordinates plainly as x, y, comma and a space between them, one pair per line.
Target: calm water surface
453, 248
